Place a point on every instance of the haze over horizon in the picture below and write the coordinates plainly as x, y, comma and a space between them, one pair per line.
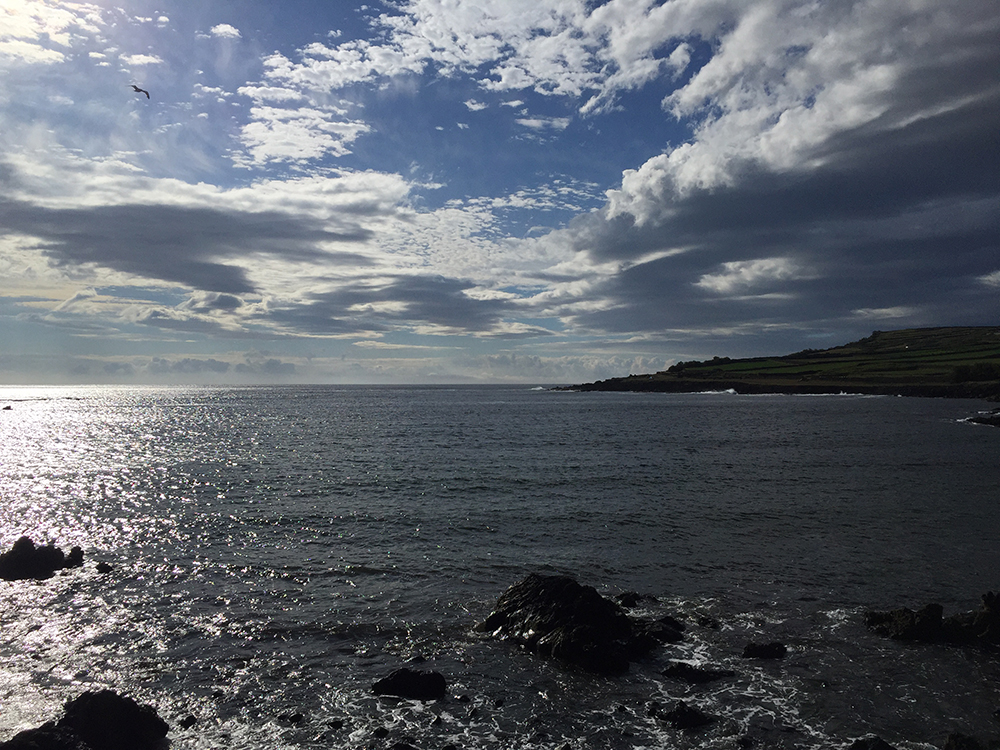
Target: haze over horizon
525, 191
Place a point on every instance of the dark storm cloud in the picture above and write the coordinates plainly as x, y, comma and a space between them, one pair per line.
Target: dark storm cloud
184, 245
892, 218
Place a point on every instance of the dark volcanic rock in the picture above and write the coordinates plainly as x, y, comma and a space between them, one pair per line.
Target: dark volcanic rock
49, 736
632, 599
906, 625
959, 741
407, 683
556, 617
683, 716
108, 721
872, 742
25, 560
100, 720
765, 651
679, 670
976, 628
664, 630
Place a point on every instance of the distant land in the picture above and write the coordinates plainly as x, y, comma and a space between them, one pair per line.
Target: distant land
937, 362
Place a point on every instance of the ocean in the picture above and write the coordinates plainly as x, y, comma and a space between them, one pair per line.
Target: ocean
275, 551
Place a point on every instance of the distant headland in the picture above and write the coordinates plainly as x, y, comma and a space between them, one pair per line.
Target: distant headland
938, 362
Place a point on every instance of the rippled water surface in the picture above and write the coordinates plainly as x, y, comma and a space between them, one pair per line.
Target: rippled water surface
277, 550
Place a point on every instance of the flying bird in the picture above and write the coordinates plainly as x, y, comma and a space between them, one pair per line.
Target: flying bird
139, 90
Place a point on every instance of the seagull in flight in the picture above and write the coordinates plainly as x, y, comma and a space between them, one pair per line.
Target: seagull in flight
140, 91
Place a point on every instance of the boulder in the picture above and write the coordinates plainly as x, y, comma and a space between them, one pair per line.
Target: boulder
108, 721
773, 650
25, 560
556, 617
664, 630
97, 720
975, 628
408, 683
904, 624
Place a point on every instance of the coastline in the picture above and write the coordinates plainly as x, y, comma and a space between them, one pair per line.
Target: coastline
922, 362
651, 384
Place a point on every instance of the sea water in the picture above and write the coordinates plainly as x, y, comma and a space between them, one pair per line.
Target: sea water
275, 551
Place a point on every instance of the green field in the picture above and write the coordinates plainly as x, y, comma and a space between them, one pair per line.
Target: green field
955, 362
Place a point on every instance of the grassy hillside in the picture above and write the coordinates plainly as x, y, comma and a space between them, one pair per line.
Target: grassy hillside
955, 362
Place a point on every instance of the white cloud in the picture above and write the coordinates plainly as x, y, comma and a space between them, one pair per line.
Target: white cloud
744, 275
475, 106
555, 47
29, 52
991, 279
886, 313
226, 31
277, 134
544, 123
790, 77
142, 59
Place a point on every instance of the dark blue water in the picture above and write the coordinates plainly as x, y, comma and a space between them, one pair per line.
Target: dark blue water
277, 550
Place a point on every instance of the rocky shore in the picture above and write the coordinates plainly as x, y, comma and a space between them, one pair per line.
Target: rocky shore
651, 384
930, 362
557, 619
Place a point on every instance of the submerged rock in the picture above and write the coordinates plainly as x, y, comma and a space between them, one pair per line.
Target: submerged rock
683, 716
773, 650
959, 741
556, 617
24, 560
872, 742
408, 683
679, 670
977, 628
632, 599
97, 720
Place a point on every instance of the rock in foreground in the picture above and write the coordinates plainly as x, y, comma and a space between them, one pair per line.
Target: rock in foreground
976, 628
407, 683
683, 716
556, 617
25, 560
100, 720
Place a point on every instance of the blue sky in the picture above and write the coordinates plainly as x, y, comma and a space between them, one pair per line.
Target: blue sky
534, 191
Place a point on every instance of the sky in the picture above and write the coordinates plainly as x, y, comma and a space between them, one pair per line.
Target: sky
486, 191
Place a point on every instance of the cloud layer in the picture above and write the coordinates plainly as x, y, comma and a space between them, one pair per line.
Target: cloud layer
434, 189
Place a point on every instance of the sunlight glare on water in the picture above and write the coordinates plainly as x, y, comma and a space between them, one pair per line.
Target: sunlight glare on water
276, 550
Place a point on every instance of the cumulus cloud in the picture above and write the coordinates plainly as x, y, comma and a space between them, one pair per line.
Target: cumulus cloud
226, 31
283, 134
142, 59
